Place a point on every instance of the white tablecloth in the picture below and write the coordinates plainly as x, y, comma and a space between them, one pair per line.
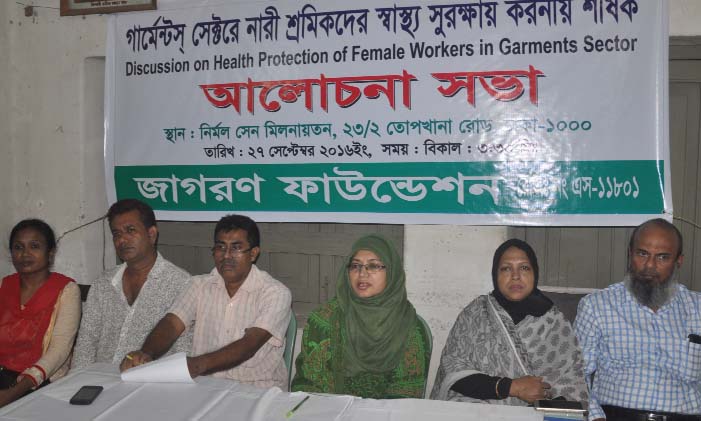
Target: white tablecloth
216, 399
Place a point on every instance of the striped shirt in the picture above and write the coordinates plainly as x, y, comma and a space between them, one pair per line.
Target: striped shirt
638, 358
219, 320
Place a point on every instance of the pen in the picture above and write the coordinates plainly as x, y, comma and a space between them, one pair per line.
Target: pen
292, 411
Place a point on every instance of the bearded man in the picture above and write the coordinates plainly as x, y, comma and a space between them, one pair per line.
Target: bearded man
639, 337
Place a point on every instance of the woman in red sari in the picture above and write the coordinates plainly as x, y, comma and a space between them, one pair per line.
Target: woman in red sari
39, 313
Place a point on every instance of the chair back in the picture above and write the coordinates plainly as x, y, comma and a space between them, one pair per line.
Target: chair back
84, 289
290, 338
566, 299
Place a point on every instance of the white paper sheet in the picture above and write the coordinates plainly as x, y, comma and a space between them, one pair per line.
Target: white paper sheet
316, 408
171, 369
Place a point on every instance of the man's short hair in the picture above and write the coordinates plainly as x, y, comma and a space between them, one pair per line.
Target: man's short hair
148, 218
235, 222
660, 223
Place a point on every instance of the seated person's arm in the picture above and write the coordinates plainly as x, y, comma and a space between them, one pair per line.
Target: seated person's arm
273, 318
15, 392
231, 355
483, 386
62, 336
181, 314
157, 343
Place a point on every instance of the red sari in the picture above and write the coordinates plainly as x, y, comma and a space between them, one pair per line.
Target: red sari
22, 330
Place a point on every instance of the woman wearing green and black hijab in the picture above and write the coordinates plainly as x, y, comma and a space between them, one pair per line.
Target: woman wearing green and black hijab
367, 341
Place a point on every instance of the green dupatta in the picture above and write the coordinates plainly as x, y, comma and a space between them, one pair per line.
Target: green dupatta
374, 330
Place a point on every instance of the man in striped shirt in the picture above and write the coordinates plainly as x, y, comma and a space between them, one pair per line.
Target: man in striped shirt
640, 337
240, 314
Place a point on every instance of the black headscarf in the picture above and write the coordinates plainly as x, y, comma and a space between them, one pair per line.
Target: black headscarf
536, 304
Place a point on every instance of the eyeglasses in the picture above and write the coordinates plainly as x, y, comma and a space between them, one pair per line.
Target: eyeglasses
661, 258
235, 249
370, 267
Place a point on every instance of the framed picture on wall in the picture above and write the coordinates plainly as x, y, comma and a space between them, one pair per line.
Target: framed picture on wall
89, 7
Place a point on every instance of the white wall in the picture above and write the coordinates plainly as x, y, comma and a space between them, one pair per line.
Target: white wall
54, 170
447, 267
684, 17
50, 165
6, 161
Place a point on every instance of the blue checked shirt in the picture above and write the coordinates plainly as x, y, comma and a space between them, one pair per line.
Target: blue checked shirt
638, 358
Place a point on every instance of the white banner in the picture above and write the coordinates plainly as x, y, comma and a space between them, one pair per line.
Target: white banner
478, 112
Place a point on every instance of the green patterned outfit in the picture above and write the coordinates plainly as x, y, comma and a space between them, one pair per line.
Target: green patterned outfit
320, 362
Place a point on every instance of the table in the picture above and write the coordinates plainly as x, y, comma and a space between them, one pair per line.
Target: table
215, 399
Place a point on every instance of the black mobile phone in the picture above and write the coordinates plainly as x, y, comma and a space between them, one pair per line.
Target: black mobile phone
86, 395
559, 406
694, 338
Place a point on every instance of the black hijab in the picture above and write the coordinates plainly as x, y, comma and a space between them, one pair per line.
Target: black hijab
536, 304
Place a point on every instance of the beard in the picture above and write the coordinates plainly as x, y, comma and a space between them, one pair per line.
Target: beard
648, 292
